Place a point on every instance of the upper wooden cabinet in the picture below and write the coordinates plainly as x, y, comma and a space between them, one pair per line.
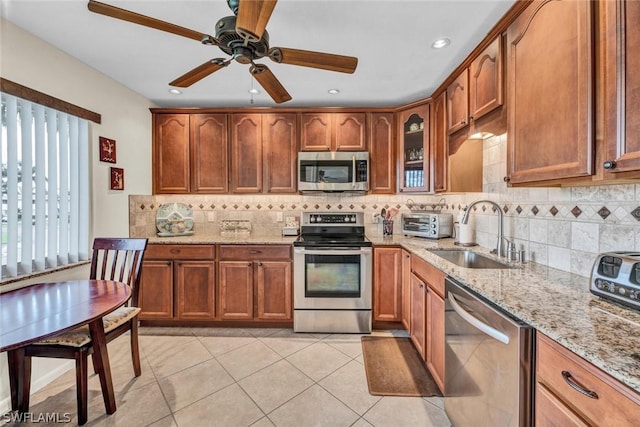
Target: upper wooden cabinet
382, 153
458, 102
246, 153
209, 153
333, 131
476, 91
279, 151
619, 63
171, 154
413, 149
549, 53
439, 144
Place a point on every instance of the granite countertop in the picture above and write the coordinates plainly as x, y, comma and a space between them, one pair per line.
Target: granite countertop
555, 302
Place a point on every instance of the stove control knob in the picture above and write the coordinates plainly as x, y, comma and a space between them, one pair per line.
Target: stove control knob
312, 218
622, 290
352, 218
318, 219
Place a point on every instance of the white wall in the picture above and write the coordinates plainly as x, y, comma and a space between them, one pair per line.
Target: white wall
32, 62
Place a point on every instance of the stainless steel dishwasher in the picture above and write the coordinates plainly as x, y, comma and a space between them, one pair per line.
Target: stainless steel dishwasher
489, 363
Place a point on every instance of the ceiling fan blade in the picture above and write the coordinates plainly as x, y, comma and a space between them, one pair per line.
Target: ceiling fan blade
270, 83
199, 73
307, 58
252, 19
136, 18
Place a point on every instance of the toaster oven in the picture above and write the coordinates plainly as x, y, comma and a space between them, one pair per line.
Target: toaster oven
616, 276
429, 225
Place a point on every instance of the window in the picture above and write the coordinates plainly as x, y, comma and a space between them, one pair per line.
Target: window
45, 187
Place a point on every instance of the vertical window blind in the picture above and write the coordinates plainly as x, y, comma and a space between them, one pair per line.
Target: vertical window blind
45, 187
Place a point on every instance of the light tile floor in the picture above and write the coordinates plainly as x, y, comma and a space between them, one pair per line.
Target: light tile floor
241, 377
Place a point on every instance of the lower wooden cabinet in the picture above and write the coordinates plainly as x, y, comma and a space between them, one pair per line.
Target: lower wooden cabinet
387, 284
418, 303
406, 289
178, 283
572, 392
255, 282
434, 342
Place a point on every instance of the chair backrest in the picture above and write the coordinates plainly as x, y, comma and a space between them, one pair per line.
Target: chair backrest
118, 259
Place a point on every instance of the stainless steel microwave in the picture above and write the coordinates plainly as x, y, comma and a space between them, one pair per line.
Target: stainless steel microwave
333, 171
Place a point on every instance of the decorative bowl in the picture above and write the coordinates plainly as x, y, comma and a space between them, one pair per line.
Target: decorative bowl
174, 219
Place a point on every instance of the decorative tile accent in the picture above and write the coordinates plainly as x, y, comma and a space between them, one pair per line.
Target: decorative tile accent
554, 211
270, 206
636, 213
535, 210
190, 205
201, 206
484, 208
363, 206
398, 206
235, 206
505, 208
374, 207
328, 207
152, 206
386, 206
224, 206
142, 206
212, 206
351, 207
576, 211
259, 206
305, 206
493, 209
281, 206
604, 212
339, 206
317, 206
293, 206
519, 209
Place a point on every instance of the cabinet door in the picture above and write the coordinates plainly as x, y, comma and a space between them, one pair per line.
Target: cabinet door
387, 284
382, 159
434, 341
439, 144
350, 131
195, 290
549, 53
236, 289
280, 145
171, 153
274, 290
315, 132
622, 86
458, 102
155, 297
209, 153
246, 153
406, 290
418, 314
485, 80
413, 149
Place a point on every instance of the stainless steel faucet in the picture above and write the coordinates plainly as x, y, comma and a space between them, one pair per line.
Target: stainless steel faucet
500, 248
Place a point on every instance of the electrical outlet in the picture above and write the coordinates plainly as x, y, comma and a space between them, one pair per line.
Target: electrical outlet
211, 216
279, 216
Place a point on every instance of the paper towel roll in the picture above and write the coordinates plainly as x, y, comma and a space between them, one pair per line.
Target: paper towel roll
466, 234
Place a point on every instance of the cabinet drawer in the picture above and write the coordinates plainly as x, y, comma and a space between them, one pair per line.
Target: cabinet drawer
254, 252
180, 252
428, 273
615, 403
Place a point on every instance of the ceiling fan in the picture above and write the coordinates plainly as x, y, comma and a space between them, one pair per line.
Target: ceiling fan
244, 38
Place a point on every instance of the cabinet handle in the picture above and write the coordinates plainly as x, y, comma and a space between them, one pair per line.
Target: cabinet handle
407, 256
256, 252
168, 262
174, 251
577, 387
259, 264
506, 179
609, 164
463, 123
249, 264
470, 117
401, 190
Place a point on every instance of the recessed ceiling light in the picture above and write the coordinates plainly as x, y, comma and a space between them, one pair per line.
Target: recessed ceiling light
254, 91
441, 43
174, 91
333, 91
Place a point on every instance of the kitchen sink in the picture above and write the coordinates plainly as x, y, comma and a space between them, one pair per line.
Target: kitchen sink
468, 259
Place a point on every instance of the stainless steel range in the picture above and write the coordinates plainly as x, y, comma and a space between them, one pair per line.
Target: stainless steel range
332, 274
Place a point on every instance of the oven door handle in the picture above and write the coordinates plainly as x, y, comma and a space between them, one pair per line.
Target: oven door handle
332, 251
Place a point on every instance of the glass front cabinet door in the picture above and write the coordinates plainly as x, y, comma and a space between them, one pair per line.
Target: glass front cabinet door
414, 173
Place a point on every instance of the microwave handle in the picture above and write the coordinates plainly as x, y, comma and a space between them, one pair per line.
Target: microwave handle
353, 174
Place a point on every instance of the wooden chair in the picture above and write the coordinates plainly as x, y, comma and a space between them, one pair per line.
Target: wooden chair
112, 259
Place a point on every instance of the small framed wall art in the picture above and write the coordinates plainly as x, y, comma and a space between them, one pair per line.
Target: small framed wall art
117, 179
107, 150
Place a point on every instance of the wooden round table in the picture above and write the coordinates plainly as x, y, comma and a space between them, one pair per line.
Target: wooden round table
35, 312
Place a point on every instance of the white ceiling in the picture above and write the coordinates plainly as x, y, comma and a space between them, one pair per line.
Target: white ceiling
391, 38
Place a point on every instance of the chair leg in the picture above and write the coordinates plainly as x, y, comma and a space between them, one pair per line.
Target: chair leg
135, 348
81, 385
19, 379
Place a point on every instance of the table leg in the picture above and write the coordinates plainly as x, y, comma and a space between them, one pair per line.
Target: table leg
101, 360
19, 379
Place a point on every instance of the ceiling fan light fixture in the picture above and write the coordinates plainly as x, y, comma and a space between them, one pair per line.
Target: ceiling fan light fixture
441, 43
174, 91
254, 91
333, 91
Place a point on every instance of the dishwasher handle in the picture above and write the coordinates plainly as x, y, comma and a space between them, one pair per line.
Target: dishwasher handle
478, 324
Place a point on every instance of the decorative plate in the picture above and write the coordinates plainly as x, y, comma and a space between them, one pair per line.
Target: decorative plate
174, 219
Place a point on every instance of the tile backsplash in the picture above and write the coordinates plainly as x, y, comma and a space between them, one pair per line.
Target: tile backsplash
564, 228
